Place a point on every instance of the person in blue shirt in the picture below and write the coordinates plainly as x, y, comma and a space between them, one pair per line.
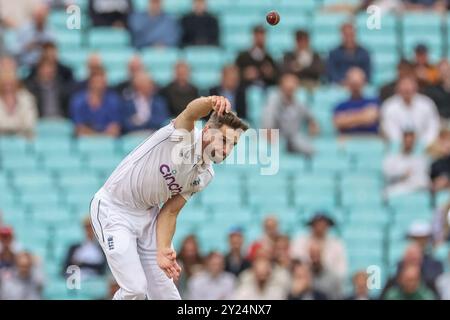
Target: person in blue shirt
358, 114
348, 54
154, 28
96, 110
144, 110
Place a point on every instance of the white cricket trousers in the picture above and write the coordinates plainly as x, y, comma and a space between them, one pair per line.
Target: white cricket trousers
128, 238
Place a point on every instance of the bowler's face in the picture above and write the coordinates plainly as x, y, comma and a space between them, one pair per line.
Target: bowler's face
222, 142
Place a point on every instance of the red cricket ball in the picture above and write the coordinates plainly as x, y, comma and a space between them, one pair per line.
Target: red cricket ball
273, 18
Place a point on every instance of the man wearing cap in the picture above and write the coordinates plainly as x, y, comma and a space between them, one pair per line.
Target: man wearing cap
333, 252
405, 171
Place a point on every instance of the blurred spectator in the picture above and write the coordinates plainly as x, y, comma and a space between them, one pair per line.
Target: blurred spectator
231, 88
7, 248
256, 65
199, 27
15, 14
235, 261
422, 5
359, 114
408, 108
154, 27
302, 284
87, 255
180, 91
50, 54
404, 69
409, 286
440, 167
21, 282
267, 242
144, 110
420, 234
348, 54
406, 171
282, 253
360, 289
333, 252
427, 74
261, 284
110, 13
440, 92
8, 65
441, 225
443, 284
96, 110
325, 279
32, 36
18, 112
284, 112
94, 64
190, 261
50, 91
125, 88
303, 61
213, 283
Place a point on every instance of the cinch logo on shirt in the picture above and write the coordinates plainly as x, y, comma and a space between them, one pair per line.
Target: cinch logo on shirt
168, 175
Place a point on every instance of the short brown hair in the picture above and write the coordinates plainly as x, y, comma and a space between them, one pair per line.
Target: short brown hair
229, 119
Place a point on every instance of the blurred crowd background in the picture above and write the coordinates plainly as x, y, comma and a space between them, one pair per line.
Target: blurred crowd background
361, 98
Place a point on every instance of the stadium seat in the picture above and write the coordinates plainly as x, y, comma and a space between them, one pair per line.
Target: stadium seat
66, 38
52, 145
54, 128
96, 145
13, 145
104, 37
61, 162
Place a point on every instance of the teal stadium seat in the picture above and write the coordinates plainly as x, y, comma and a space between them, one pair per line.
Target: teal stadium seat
68, 38
97, 146
326, 30
52, 145
54, 128
13, 145
11, 162
62, 162
306, 6
104, 37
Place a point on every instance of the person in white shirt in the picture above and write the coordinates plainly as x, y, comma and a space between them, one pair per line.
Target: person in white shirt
410, 108
214, 283
406, 171
134, 213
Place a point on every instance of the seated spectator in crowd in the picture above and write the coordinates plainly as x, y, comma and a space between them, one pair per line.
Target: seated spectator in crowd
96, 110
154, 27
303, 61
266, 243
18, 111
409, 286
87, 255
213, 283
412, 109
255, 64
94, 64
50, 91
50, 54
283, 112
419, 234
199, 27
235, 261
231, 88
348, 54
190, 261
333, 251
15, 14
144, 111
440, 92
441, 225
7, 248
404, 69
282, 253
427, 74
302, 283
359, 114
440, 167
33, 35
324, 277
180, 91
443, 284
21, 282
135, 66
110, 13
261, 284
406, 171
360, 288
423, 5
